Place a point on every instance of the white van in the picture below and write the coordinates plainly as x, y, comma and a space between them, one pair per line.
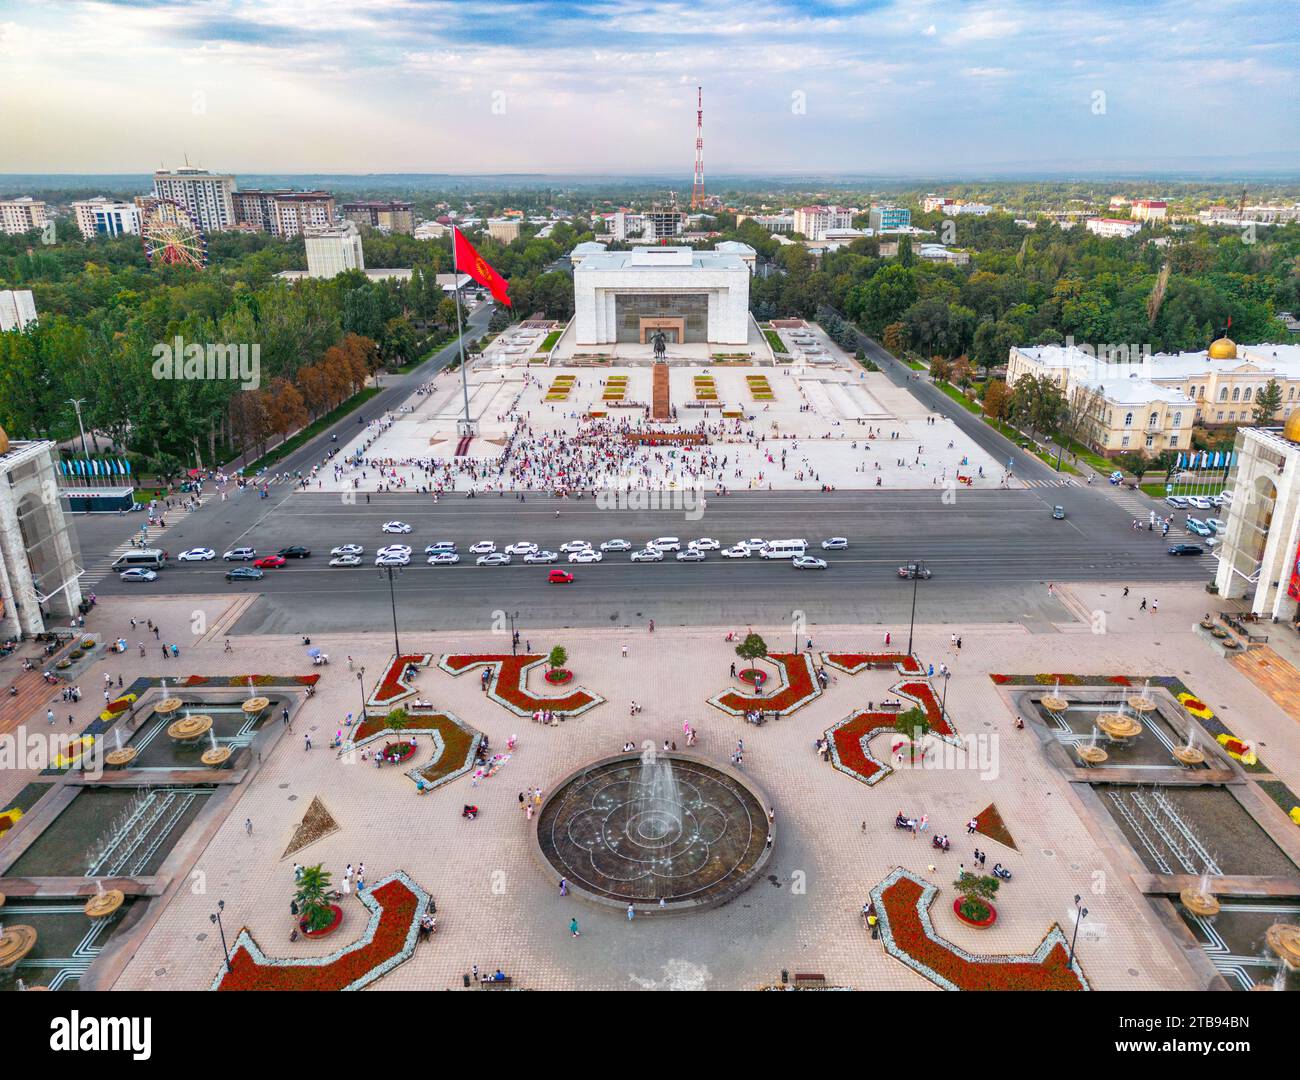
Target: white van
150, 558
665, 543
783, 549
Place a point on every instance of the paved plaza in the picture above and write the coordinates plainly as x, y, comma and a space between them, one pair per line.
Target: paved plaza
498, 908
819, 420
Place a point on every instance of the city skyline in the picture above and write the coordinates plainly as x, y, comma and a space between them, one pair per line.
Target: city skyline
403, 86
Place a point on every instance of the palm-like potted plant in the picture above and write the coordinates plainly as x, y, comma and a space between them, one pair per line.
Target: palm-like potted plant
316, 914
974, 901
558, 657
915, 726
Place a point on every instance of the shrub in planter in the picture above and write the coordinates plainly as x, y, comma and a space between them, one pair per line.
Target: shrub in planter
403, 750
975, 893
76, 654
63, 665
752, 676
315, 912
557, 659
559, 676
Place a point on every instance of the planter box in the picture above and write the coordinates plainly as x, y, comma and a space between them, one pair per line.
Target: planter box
993, 916
326, 930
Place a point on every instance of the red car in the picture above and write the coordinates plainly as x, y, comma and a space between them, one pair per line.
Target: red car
560, 577
269, 562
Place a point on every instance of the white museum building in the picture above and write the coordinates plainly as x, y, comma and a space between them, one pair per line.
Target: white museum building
691, 296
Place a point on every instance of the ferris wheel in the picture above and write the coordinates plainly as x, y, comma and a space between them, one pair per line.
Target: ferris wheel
171, 237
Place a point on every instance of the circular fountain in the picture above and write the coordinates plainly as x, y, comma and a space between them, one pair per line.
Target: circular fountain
659, 831
1199, 901
215, 756
15, 943
255, 705
168, 706
1092, 754
104, 902
1143, 702
1055, 702
1284, 940
1189, 755
1118, 726
189, 728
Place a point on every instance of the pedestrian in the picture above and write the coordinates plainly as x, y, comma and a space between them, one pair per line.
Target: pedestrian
306, 741
959, 643
573, 926
1143, 606
49, 715
1155, 605
971, 826
248, 826
733, 669
1125, 590
631, 913
564, 886
624, 652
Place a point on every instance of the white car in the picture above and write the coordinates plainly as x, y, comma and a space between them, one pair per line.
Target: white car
835, 543
521, 547
540, 556
240, 554
690, 555
138, 573
585, 555
1200, 502
346, 560
483, 547
666, 543
493, 558
394, 558
576, 545
616, 545
705, 543
395, 549
736, 552
348, 549
443, 558
396, 527
808, 562
648, 555
1217, 524
196, 555
751, 545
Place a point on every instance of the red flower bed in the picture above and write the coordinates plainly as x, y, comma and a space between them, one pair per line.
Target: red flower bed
753, 676
855, 662
982, 924
399, 909
798, 691
403, 750
196, 680
117, 705
391, 685
507, 684
850, 738
902, 900
306, 680
335, 922
559, 676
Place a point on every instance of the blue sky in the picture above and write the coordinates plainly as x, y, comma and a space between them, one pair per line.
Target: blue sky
576, 86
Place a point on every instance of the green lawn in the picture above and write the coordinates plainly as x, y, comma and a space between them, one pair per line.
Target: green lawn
960, 398
312, 430
916, 365
774, 339
549, 343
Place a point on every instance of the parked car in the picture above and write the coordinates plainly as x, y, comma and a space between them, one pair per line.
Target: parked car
396, 527
912, 570
294, 552
138, 573
395, 549
443, 558
1200, 502
559, 577
736, 552
648, 555
835, 543
616, 545
1187, 549
483, 547
269, 562
346, 560
1178, 502
575, 545
240, 554
244, 573
540, 557
441, 547
348, 549
196, 555
586, 555
520, 547
752, 545
705, 543
665, 543
1217, 524
493, 558
393, 558
690, 555
1198, 527
808, 562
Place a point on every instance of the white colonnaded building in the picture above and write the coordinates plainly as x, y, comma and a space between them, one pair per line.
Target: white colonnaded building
688, 295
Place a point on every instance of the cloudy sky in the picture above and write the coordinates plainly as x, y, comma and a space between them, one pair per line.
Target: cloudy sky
576, 86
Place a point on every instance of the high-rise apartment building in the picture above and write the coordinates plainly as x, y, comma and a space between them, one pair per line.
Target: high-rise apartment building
332, 251
207, 197
885, 218
387, 215
814, 221
22, 215
284, 213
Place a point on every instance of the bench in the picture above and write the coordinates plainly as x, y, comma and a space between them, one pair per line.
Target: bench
496, 984
808, 979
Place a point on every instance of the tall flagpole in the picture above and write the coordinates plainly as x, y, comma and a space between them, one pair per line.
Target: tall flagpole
460, 335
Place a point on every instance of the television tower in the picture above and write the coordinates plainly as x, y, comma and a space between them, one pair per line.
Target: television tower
697, 189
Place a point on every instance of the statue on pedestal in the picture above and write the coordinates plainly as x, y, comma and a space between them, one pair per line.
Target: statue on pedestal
660, 342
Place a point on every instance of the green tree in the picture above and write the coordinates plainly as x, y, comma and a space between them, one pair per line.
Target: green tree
752, 649
1135, 462
1267, 401
915, 725
1037, 402
558, 657
314, 909
976, 892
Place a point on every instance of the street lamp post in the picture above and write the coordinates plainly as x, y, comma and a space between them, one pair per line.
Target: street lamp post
916, 580
361, 685
943, 702
216, 918
513, 616
392, 600
1080, 913
76, 404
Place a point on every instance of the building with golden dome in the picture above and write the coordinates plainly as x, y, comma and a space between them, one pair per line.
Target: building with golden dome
1139, 400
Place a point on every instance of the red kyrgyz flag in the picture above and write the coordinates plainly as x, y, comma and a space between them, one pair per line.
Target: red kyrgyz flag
469, 261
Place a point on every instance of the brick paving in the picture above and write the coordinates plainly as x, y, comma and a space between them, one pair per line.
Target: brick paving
498, 908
